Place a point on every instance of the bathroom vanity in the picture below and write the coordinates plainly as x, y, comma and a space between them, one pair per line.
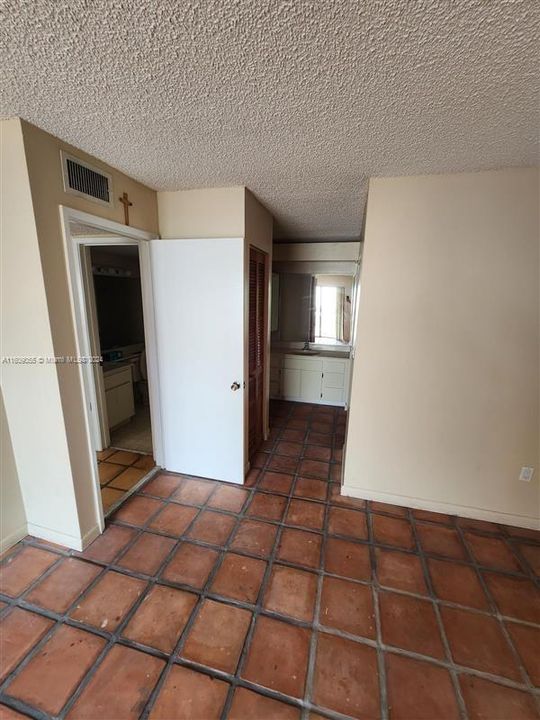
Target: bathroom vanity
311, 324
118, 384
315, 377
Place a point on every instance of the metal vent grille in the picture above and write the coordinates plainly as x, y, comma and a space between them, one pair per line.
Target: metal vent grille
87, 181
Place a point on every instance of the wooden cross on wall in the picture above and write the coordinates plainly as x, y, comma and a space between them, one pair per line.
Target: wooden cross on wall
126, 203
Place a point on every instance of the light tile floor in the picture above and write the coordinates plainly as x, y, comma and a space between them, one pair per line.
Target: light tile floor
119, 471
279, 599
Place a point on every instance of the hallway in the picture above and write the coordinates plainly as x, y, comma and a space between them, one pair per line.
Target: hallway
278, 599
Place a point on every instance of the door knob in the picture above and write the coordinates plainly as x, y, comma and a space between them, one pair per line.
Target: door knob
235, 386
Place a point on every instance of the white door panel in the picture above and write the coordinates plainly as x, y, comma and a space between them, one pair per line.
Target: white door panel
199, 308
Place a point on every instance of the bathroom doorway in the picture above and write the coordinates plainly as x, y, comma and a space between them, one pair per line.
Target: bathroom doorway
117, 296
112, 298
115, 313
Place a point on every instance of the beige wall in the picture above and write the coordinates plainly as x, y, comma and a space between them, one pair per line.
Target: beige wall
445, 392
202, 213
44, 171
31, 391
12, 515
332, 252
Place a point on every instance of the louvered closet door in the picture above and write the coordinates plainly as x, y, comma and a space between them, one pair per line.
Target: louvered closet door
258, 281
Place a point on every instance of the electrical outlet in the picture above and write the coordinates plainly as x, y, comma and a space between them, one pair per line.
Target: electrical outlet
526, 474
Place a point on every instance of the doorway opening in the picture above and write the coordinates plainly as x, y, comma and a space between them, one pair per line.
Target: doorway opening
115, 312
110, 278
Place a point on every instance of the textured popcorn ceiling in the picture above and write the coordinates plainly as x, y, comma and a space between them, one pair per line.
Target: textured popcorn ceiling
300, 100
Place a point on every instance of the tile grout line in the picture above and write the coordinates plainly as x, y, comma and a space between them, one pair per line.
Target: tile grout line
116, 637
427, 658
60, 619
65, 617
312, 657
231, 601
175, 656
383, 687
259, 600
350, 538
436, 609
204, 594
497, 615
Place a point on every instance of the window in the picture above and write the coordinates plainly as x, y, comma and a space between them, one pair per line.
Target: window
326, 325
331, 310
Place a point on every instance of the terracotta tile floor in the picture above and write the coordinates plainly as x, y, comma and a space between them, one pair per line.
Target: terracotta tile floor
119, 471
279, 599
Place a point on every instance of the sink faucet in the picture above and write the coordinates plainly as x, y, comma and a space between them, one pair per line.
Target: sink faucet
306, 345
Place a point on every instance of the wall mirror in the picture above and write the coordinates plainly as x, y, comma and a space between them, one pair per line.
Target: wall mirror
312, 307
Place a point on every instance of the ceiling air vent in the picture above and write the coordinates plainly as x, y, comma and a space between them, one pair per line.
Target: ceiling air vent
86, 180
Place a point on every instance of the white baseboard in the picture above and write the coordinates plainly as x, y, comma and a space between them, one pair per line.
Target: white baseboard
90, 536
523, 521
70, 541
13, 538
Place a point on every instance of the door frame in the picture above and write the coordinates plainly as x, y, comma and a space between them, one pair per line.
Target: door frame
119, 235
101, 434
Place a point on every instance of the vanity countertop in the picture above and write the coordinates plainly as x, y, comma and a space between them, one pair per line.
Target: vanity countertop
115, 365
341, 354
338, 354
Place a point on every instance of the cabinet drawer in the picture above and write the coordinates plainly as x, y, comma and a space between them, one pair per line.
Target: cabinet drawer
302, 363
333, 380
334, 365
114, 378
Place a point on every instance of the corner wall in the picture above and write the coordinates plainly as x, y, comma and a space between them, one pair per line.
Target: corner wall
52, 433
13, 526
446, 387
31, 390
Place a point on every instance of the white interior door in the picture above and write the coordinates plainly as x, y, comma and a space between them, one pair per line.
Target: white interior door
199, 313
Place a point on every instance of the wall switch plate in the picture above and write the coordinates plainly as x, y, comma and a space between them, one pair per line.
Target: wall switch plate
526, 474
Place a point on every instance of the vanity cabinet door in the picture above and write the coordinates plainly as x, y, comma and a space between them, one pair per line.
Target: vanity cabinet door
310, 385
120, 406
290, 383
332, 396
335, 381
